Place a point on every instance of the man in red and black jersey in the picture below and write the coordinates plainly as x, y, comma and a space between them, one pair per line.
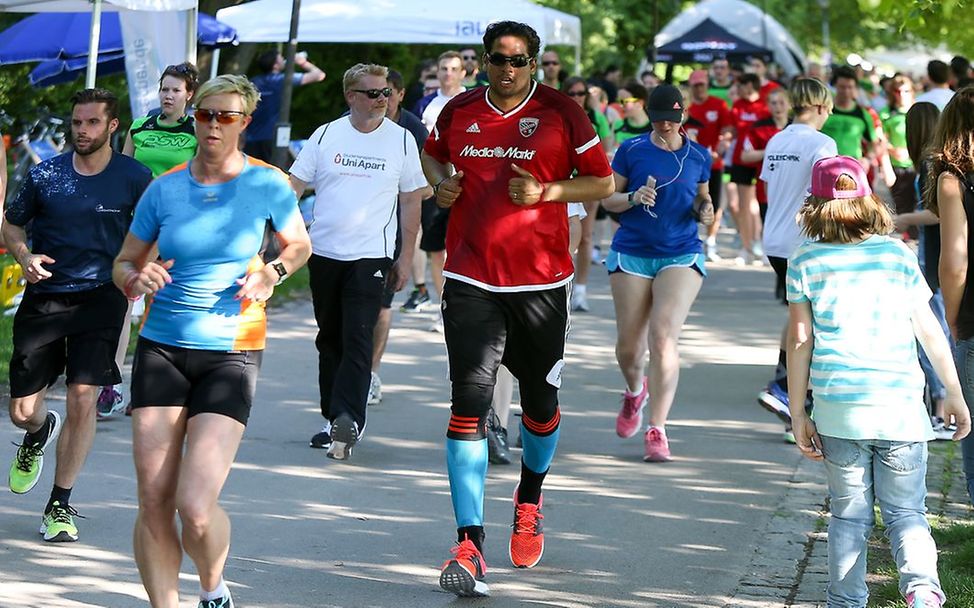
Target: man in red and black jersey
514, 146
710, 124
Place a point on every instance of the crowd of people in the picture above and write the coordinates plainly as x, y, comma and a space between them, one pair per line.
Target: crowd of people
493, 157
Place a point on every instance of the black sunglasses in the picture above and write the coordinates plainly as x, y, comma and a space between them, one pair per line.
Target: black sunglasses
577, 93
547, 63
517, 61
468, 57
224, 117
374, 93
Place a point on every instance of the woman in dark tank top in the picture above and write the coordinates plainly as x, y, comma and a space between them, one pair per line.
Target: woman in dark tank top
950, 194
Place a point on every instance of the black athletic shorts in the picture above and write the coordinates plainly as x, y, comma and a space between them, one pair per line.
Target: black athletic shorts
76, 332
745, 176
435, 220
524, 330
716, 187
202, 381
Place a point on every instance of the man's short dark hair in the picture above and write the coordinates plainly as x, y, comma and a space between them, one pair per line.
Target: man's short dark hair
512, 28
266, 61
395, 80
97, 96
846, 72
960, 66
751, 79
938, 72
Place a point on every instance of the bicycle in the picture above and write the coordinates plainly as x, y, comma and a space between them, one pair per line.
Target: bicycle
41, 139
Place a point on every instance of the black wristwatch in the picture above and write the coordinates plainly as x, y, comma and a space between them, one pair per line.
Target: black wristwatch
280, 270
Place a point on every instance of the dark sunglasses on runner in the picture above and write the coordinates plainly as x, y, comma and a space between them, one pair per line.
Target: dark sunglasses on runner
577, 93
224, 117
517, 61
547, 63
374, 93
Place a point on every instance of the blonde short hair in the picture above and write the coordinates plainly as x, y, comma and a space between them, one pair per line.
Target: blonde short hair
359, 71
844, 220
230, 84
806, 93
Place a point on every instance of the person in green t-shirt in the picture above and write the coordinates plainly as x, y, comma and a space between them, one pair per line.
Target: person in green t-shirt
721, 81
899, 91
164, 140
635, 120
850, 124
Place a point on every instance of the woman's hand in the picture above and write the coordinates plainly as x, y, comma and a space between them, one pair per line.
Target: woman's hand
703, 210
153, 277
256, 286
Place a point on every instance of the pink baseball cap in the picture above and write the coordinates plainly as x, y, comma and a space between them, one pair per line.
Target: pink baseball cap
698, 77
826, 172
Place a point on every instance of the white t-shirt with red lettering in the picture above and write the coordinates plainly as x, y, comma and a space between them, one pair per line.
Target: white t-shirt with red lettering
490, 241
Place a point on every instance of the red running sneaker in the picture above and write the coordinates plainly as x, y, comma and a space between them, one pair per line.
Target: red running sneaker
527, 539
630, 417
657, 446
464, 574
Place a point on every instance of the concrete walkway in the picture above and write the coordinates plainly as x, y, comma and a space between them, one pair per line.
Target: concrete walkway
725, 524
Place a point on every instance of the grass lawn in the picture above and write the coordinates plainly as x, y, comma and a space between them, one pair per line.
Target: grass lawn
955, 545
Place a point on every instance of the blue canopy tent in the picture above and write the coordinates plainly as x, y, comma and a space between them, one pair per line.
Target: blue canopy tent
59, 40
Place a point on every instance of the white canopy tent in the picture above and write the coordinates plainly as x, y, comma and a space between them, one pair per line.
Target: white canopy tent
458, 22
96, 7
745, 21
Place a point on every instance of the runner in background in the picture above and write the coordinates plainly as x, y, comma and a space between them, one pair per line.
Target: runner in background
758, 67
748, 109
710, 124
721, 80
850, 124
900, 93
635, 120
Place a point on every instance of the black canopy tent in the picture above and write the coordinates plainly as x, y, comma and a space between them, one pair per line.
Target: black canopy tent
708, 41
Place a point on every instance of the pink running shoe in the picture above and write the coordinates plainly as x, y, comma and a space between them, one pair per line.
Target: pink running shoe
657, 447
630, 417
923, 598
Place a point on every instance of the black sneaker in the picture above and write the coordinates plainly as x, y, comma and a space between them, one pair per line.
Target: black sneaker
223, 602
497, 451
418, 301
322, 439
344, 436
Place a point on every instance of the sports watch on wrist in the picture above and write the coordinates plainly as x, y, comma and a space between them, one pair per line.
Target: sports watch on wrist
281, 271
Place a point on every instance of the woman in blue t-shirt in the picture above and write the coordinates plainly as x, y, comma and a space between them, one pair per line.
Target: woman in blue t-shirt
656, 263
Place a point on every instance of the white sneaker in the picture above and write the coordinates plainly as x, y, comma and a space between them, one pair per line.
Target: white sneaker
596, 255
712, 255
757, 249
744, 257
579, 302
375, 390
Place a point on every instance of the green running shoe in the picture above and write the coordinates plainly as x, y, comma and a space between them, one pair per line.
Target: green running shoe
57, 526
28, 464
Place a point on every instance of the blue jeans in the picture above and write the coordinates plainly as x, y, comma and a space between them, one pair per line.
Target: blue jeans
894, 473
934, 384
964, 358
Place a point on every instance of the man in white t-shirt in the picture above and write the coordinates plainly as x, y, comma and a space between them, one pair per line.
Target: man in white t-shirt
787, 171
939, 92
359, 166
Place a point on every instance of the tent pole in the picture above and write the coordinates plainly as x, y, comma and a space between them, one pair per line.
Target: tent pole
192, 24
215, 63
93, 41
578, 59
282, 132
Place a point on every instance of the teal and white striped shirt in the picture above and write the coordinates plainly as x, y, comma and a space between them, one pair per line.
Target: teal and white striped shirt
865, 375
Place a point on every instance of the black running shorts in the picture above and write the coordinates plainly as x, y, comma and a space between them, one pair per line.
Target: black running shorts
743, 175
523, 330
76, 332
202, 381
435, 220
716, 188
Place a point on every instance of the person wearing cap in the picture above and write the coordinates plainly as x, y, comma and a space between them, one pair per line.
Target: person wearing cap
656, 262
857, 304
786, 170
710, 124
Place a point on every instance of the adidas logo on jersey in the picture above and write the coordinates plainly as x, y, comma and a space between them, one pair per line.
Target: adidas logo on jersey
513, 152
474, 128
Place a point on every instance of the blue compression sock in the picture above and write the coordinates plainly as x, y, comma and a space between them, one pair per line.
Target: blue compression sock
466, 464
538, 450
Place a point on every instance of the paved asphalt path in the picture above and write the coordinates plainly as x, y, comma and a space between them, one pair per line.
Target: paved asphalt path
373, 531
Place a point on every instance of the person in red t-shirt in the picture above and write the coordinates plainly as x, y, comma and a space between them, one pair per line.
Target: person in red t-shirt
514, 145
747, 109
759, 68
760, 134
710, 124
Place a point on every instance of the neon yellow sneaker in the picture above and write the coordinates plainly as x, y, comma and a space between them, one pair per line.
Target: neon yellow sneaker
28, 464
57, 525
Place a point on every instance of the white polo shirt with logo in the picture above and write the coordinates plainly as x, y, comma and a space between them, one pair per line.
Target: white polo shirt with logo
357, 179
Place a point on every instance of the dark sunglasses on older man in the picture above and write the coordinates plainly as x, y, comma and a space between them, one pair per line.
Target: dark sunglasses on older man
224, 117
517, 61
374, 93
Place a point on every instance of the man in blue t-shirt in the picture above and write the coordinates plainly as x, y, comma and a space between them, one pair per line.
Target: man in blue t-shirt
79, 205
270, 83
